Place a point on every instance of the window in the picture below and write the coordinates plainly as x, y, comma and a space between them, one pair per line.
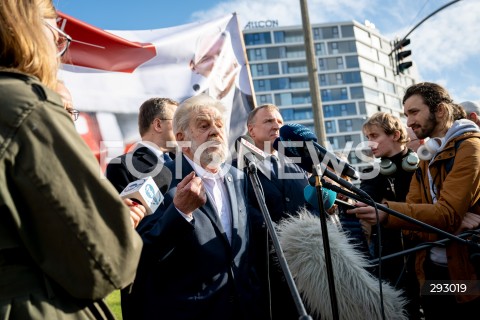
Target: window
334, 47
339, 78
339, 63
257, 38
323, 81
319, 49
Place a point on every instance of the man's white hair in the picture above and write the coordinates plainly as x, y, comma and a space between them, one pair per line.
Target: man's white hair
470, 106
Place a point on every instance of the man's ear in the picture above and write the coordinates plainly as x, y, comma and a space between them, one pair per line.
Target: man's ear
473, 117
396, 135
179, 136
157, 124
441, 110
250, 130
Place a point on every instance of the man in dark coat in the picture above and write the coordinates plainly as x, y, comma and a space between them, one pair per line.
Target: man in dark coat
283, 183
147, 157
197, 253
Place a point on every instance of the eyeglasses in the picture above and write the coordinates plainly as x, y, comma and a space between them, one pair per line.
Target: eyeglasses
73, 113
62, 39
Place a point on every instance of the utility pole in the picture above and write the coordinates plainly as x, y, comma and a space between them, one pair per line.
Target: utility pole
313, 75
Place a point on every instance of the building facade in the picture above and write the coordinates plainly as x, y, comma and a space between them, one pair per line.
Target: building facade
357, 77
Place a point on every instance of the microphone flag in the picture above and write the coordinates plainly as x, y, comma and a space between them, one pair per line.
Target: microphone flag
144, 191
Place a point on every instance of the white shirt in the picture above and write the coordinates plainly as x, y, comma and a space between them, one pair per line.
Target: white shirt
155, 150
217, 193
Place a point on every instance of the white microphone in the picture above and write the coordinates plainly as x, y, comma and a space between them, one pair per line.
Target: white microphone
246, 145
145, 192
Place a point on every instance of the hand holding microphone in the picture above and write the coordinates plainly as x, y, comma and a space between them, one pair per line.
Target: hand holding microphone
137, 211
148, 191
368, 213
144, 196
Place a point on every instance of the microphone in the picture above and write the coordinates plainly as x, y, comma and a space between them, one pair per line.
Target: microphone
344, 183
148, 191
196, 87
328, 197
291, 140
246, 149
345, 204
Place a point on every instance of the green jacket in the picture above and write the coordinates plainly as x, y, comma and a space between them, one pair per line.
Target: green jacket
458, 193
66, 238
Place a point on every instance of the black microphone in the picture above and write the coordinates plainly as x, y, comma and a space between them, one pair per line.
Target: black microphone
149, 190
196, 87
344, 183
299, 141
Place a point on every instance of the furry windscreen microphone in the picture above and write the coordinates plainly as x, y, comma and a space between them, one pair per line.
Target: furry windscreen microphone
357, 289
328, 196
299, 141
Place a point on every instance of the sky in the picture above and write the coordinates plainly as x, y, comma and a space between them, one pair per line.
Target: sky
445, 48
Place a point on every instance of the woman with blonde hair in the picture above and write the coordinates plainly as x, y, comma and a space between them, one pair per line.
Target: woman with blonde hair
66, 238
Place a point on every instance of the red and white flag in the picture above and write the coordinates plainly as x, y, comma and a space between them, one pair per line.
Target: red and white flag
111, 73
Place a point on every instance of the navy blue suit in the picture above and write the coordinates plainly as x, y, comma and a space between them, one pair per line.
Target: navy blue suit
117, 172
283, 197
191, 271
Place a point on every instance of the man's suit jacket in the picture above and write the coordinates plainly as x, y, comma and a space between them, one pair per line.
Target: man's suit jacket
283, 197
118, 172
142, 159
191, 271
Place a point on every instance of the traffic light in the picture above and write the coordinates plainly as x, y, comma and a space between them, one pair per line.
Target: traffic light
401, 55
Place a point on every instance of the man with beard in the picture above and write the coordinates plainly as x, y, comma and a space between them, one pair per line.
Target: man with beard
197, 251
443, 189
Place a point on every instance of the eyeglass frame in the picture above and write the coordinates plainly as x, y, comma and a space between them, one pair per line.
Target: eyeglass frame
61, 33
73, 112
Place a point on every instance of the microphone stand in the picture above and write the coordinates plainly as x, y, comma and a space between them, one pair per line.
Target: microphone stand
401, 215
326, 243
426, 245
252, 173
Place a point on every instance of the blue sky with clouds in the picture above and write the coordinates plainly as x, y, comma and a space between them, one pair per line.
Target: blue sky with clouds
446, 48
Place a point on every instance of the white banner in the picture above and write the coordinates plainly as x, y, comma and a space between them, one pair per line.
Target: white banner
116, 71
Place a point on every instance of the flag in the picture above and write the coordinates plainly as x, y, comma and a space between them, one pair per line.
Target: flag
111, 73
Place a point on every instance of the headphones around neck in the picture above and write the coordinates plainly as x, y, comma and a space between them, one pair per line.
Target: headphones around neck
430, 147
409, 163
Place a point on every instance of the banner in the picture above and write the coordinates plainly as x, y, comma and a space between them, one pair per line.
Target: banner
111, 73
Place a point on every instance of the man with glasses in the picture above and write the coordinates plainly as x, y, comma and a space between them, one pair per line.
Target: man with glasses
155, 127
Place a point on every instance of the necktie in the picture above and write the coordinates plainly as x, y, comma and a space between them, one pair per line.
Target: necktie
166, 157
274, 160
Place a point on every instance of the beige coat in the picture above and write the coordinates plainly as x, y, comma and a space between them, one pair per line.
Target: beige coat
459, 192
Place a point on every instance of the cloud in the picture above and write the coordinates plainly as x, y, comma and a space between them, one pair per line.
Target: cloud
449, 39
445, 48
287, 12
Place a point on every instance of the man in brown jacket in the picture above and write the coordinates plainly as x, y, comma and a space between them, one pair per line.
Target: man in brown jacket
443, 190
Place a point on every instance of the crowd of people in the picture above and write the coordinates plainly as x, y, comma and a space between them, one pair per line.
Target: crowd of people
68, 240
